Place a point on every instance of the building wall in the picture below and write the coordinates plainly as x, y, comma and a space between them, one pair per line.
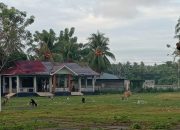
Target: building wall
109, 85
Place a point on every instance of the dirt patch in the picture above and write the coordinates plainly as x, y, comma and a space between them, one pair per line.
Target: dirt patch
177, 127
115, 128
99, 127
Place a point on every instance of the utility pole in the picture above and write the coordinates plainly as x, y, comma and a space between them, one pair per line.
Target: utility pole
0, 94
178, 72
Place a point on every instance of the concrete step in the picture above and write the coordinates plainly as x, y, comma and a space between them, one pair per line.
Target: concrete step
9, 95
45, 94
76, 93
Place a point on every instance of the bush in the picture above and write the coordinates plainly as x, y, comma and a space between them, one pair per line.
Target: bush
155, 90
136, 126
159, 125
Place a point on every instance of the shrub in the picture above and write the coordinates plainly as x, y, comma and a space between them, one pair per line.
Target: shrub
159, 125
136, 126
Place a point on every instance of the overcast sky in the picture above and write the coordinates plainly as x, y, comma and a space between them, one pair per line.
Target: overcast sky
138, 29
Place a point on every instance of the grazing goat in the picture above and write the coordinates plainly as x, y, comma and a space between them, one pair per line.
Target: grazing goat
83, 100
126, 94
33, 103
5, 101
51, 97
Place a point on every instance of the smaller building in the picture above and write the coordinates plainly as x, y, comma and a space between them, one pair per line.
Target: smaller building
109, 83
136, 85
149, 84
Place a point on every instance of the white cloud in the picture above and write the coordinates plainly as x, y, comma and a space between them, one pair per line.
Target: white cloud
122, 8
134, 25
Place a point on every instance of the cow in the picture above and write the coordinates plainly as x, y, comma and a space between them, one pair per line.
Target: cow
126, 94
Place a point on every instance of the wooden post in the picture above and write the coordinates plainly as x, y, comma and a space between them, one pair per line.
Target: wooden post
17, 86
10, 84
79, 82
35, 84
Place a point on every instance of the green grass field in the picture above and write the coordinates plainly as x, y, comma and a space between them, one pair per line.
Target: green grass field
145, 111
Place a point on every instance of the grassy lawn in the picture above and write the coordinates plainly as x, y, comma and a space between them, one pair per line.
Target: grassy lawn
145, 111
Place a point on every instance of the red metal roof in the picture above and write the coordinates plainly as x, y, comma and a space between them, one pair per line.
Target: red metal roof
45, 68
25, 67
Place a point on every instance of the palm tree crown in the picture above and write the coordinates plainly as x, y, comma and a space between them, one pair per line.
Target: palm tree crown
99, 52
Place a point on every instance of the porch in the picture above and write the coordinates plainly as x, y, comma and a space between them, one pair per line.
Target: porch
26, 84
52, 84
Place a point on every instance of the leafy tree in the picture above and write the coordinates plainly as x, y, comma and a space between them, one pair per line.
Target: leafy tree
46, 37
45, 48
162, 74
64, 48
67, 45
99, 52
16, 56
14, 36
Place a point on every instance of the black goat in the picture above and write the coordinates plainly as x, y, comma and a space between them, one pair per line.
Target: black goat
33, 103
83, 100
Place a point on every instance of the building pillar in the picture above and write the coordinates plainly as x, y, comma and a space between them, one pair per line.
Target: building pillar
17, 85
0, 83
58, 83
10, 84
50, 84
93, 83
35, 84
69, 85
54, 83
86, 83
4, 84
65, 82
79, 83
126, 85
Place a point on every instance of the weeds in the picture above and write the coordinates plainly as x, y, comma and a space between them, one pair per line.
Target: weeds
136, 126
122, 118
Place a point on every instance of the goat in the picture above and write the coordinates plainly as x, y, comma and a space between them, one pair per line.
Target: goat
51, 97
83, 100
33, 103
5, 101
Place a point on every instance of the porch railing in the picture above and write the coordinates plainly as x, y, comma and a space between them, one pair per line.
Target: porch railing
67, 90
26, 89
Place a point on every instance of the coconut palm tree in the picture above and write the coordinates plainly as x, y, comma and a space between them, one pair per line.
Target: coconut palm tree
46, 49
177, 30
99, 52
176, 52
67, 45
